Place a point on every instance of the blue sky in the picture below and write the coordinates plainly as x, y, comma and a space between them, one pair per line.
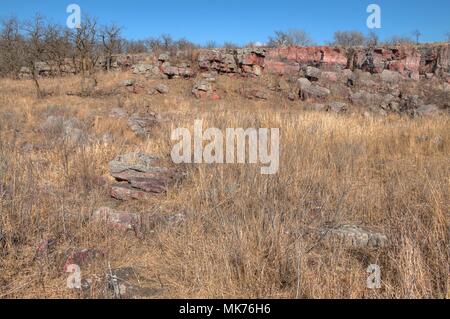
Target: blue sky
243, 21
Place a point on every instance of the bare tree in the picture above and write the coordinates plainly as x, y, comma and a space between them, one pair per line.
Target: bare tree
11, 47
111, 43
417, 34
291, 37
58, 45
86, 45
35, 51
87, 52
349, 38
211, 44
372, 39
134, 46
448, 37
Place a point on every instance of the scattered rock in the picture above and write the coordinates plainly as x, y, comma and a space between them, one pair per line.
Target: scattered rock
162, 88
128, 83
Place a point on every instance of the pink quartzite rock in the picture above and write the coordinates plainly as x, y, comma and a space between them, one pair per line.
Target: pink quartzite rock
126, 192
117, 220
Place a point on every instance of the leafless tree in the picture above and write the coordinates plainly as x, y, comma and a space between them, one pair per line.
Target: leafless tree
87, 52
417, 34
134, 46
448, 37
11, 47
111, 43
349, 38
35, 51
291, 37
211, 44
86, 45
58, 45
372, 39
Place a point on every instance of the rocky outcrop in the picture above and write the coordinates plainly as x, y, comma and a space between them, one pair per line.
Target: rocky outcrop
248, 61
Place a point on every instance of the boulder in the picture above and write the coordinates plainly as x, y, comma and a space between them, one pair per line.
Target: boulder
205, 89
116, 219
314, 91
312, 73
163, 57
128, 83
391, 76
142, 123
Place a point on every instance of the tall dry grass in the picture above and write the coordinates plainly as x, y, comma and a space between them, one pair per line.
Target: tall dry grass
245, 235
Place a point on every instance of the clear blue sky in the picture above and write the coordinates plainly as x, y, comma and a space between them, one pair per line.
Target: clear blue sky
242, 21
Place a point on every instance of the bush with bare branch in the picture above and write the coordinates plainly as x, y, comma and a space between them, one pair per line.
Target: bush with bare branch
348, 38
291, 37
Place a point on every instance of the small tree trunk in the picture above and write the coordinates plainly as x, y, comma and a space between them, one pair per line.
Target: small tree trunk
36, 82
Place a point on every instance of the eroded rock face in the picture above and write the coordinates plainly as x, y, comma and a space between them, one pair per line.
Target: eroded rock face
248, 61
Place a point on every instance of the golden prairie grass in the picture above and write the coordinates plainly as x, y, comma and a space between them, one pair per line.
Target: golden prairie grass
245, 235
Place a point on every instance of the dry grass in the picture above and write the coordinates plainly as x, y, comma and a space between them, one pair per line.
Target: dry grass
246, 235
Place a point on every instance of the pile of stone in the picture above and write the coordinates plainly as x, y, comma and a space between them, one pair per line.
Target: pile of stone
139, 175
